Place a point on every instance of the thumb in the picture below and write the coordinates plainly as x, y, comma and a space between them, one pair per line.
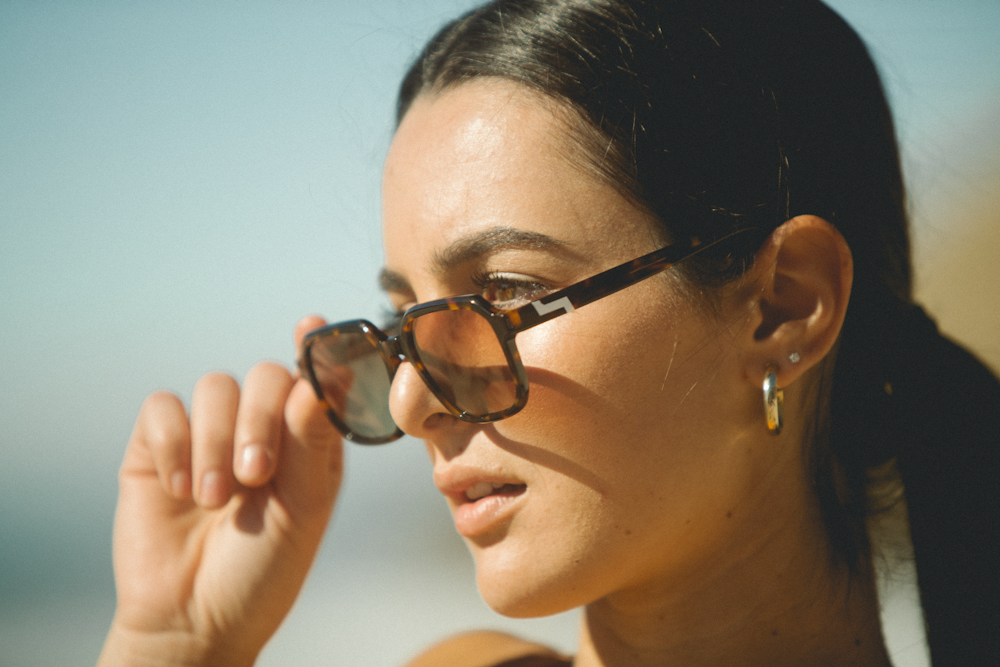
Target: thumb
308, 479
304, 326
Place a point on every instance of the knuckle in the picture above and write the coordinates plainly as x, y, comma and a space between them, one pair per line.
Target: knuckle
159, 401
162, 421
164, 436
268, 372
216, 382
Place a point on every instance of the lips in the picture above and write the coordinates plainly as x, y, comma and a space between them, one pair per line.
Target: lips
480, 502
476, 517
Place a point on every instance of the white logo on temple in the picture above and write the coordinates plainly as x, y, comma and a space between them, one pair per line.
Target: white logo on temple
546, 308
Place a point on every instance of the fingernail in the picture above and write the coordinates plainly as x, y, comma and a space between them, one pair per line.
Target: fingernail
179, 484
255, 461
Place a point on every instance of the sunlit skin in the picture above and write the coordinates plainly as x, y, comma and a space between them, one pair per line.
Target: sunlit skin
646, 483
640, 480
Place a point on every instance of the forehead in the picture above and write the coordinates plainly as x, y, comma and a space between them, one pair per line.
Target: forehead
485, 155
471, 139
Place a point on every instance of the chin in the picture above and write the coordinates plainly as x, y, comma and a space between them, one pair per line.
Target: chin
525, 585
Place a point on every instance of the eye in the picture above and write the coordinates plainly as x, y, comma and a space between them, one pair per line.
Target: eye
506, 291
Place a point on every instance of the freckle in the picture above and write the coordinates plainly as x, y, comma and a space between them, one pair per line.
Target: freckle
857, 642
628, 532
687, 522
774, 633
729, 515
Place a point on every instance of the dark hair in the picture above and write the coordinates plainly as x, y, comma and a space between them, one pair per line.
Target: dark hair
719, 115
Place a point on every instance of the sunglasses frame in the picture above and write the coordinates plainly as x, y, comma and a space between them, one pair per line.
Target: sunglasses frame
506, 324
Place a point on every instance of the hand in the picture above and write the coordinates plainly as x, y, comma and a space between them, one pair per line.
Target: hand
219, 517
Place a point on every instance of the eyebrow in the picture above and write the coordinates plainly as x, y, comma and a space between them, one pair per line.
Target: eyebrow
489, 241
472, 247
391, 281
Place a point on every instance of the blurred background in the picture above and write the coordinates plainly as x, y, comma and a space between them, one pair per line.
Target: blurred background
181, 182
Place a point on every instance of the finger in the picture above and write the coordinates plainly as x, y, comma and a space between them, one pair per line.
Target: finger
311, 457
259, 422
162, 430
213, 423
305, 325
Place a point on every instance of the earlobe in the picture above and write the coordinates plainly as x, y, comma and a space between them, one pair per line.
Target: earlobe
803, 282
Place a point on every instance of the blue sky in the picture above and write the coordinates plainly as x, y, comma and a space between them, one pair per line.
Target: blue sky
180, 182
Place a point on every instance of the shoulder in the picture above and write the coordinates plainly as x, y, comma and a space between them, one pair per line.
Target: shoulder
488, 649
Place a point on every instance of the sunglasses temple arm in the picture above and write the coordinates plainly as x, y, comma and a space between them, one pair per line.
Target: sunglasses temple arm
603, 284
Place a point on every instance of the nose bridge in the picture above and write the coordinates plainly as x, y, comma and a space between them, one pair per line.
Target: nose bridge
393, 349
414, 406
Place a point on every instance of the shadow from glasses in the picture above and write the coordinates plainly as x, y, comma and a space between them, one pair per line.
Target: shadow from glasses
587, 400
545, 458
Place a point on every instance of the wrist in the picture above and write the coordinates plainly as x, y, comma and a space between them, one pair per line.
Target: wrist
124, 647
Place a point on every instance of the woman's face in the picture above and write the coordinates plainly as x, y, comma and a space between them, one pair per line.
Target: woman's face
634, 463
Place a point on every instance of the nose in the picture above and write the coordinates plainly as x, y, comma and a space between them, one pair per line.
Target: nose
415, 408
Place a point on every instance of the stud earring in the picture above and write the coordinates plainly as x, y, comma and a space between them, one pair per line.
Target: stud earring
773, 400
794, 357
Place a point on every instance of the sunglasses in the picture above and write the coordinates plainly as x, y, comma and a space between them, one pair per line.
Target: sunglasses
462, 347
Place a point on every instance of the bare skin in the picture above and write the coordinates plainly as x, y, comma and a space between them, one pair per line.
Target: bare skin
653, 493
641, 481
206, 574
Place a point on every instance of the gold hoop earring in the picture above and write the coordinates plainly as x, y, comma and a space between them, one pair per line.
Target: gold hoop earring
773, 400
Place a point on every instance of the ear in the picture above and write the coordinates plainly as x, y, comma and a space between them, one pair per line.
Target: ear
802, 280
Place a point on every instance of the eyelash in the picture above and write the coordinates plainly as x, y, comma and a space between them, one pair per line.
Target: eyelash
528, 289
392, 317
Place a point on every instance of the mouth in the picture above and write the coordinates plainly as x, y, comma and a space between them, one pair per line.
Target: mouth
485, 489
485, 506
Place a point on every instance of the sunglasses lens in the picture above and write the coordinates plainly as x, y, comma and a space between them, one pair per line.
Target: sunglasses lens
355, 382
465, 360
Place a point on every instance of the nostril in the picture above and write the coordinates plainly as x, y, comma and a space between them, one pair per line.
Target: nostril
438, 420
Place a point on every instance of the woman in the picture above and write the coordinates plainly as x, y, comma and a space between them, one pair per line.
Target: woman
692, 462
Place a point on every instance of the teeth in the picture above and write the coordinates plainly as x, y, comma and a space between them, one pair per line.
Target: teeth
482, 489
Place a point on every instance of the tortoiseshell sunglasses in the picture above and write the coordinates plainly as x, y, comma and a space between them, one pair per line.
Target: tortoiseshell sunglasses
462, 347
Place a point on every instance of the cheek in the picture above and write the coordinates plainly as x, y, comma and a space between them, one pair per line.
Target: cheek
610, 377
645, 412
